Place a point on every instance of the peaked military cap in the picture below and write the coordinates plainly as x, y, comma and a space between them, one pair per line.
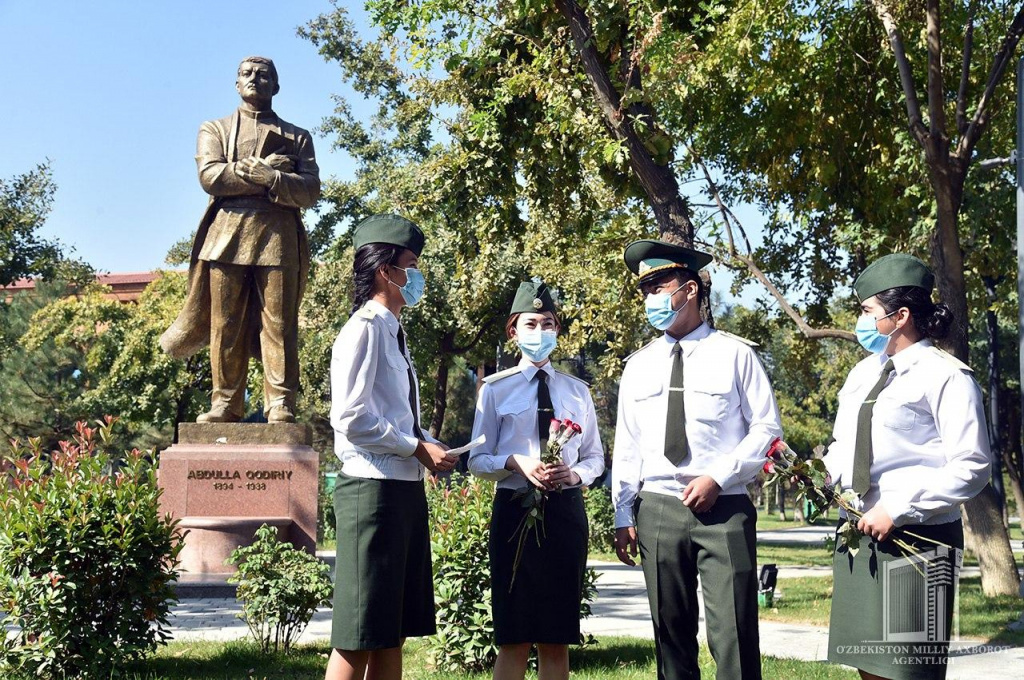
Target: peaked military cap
893, 271
646, 258
390, 229
533, 297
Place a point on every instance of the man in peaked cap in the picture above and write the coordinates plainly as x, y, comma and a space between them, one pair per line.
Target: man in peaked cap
696, 416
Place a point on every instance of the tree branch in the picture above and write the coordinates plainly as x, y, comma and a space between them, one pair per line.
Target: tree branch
748, 261
914, 118
965, 72
936, 94
462, 349
657, 181
1003, 57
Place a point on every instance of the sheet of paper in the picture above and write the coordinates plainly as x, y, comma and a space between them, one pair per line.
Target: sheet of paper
482, 439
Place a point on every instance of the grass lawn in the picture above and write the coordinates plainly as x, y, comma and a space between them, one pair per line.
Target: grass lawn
808, 600
615, 658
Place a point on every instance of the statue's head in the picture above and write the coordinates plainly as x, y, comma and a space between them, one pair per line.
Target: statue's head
257, 81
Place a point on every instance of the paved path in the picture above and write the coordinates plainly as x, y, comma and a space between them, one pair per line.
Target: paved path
621, 609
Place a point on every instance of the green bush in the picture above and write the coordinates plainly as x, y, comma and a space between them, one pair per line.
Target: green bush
86, 559
460, 521
601, 517
280, 588
460, 512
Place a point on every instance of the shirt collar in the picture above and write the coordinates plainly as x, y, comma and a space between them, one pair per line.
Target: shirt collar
383, 312
261, 116
529, 371
902, 361
688, 342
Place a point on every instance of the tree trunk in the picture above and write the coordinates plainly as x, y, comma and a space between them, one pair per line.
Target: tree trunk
780, 498
995, 420
983, 522
444, 362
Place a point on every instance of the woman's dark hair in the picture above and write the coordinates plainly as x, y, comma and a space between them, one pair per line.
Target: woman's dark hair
931, 320
368, 260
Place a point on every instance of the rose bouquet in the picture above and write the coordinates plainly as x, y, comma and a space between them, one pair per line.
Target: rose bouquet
813, 484
533, 499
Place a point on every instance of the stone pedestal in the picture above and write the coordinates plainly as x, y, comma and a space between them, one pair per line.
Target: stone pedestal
224, 480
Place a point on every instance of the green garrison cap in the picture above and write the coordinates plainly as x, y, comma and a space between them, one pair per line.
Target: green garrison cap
533, 297
390, 229
646, 258
893, 271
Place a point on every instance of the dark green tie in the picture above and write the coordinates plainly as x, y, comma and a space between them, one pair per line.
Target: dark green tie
675, 426
862, 448
545, 411
412, 387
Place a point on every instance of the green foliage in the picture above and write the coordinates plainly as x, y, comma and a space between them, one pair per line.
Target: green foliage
80, 356
601, 517
280, 587
461, 516
86, 559
25, 202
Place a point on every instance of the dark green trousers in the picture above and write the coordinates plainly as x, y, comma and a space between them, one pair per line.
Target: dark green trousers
676, 545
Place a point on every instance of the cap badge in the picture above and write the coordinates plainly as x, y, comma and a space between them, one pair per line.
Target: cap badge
537, 303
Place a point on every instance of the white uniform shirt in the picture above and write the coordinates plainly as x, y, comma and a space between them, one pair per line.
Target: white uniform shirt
370, 411
506, 412
731, 418
930, 449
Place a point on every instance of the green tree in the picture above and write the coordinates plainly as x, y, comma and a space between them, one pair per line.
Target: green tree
579, 122
25, 202
81, 356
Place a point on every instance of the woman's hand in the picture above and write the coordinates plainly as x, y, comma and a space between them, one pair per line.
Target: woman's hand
535, 471
876, 523
435, 457
560, 475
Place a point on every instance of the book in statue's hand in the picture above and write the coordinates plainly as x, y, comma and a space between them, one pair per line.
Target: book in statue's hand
274, 142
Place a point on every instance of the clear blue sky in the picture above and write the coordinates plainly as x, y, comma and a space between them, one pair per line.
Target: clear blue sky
113, 94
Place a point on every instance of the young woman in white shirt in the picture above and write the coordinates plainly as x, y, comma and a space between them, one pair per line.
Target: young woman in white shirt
383, 581
538, 601
912, 442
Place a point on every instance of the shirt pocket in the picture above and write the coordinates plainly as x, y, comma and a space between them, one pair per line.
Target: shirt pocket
515, 409
898, 418
572, 408
709, 403
396, 362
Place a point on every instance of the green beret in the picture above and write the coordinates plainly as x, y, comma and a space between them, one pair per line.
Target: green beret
390, 229
893, 271
647, 258
533, 297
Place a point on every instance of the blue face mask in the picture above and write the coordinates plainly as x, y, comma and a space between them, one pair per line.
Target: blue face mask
659, 309
412, 291
868, 335
537, 345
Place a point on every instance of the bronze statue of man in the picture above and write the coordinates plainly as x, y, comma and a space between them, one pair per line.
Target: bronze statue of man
250, 256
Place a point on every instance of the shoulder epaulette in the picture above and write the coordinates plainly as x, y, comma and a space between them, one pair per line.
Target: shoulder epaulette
501, 375
952, 359
365, 313
737, 338
576, 378
641, 350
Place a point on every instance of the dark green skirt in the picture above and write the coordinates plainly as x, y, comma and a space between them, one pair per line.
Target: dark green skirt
383, 587
542, 605
889, 618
